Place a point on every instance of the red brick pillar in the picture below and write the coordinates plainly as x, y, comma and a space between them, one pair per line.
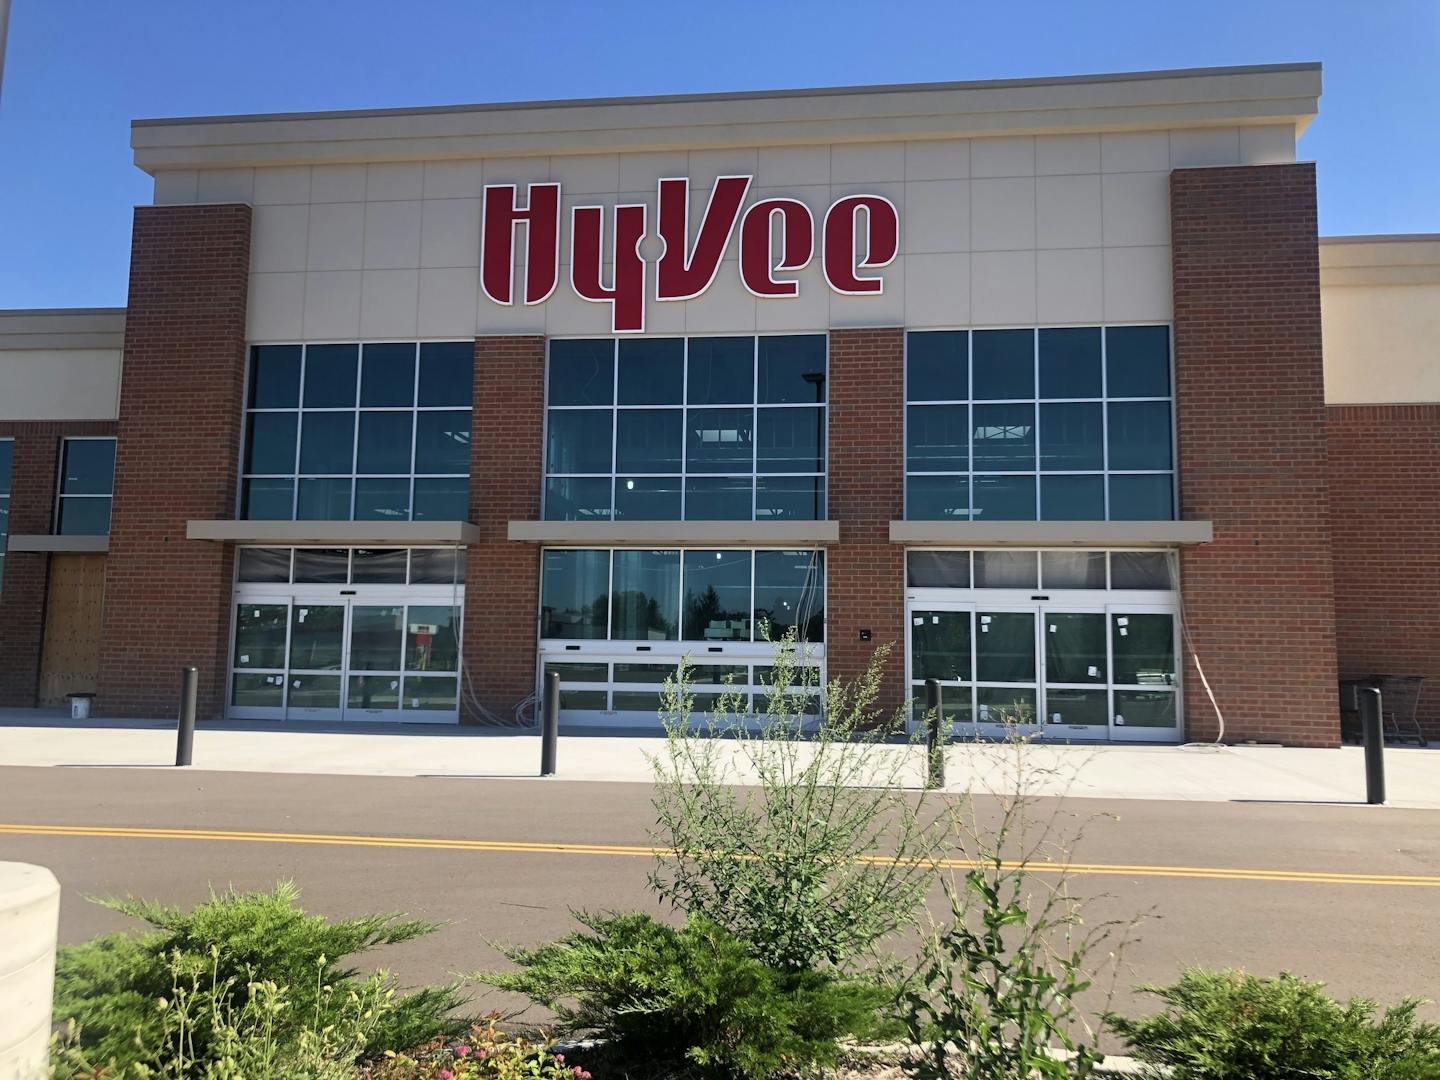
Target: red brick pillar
866, 573
24, 588
1385, 515
502, 579
167, 599
1249, 390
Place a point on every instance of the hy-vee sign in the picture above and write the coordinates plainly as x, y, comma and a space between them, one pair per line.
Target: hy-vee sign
858, 234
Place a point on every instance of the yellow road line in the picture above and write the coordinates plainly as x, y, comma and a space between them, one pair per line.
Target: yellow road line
1302, 877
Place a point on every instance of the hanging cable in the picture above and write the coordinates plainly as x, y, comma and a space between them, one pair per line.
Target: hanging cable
1172, 569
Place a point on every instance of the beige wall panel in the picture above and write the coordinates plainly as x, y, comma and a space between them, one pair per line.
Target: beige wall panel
59, 384
1382, 343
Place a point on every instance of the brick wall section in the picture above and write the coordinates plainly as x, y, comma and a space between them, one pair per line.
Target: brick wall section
1252, 452
502, 581
865, 572
167, 599
32, 511
1385, 515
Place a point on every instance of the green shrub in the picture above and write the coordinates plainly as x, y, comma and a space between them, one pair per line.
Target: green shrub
109, 986
246, 1037
799, 838
483, 1053
1227, 1025
689, 997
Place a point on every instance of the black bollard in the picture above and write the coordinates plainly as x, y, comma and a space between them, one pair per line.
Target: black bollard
185, 729
550, 724
934, 739
1372, 726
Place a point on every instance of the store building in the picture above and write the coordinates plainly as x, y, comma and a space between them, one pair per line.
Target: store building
408, 406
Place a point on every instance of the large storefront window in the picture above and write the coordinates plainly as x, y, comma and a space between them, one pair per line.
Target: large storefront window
1074, 645
615, 624
87, 482
7, 465
347, 634
374, 432
1056, 424
669, 429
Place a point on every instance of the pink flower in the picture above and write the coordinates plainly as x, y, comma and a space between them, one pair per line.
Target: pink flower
462, 1050
559, 1059
446, 1074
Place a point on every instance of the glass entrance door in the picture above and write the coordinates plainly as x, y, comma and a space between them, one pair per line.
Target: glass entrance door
322, 657
1073, 671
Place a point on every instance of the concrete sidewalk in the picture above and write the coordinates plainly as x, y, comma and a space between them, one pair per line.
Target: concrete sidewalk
1225, 774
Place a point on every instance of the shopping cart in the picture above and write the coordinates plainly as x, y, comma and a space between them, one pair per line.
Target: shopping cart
1399, 703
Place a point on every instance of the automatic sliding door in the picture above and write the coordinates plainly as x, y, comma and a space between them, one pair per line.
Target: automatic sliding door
1143, 652
1005, 653
940, 648
1077, 674
377, 641
317, 655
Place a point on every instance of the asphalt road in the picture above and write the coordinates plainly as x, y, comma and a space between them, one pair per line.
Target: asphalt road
1346, 894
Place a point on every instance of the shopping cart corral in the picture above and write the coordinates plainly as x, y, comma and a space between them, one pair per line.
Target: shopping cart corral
1399, 702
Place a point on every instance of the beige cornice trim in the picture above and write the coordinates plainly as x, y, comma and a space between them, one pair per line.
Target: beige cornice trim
58, 545
339, 533
62, 328
1205, 97
675, 533
1051, 533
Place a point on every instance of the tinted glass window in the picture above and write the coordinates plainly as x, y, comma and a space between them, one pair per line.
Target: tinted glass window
1006, 570
1072, 498
575, 594
1070, 362
1140, 435
649, 440
379, 566
1072, 570
720, 440
441, 499
647, 498
795, 498
447, 371
717, 596
442, 442
937, 498
789, 592
652, 371
1137, 361
790, 440
577, 498
84, 517
321, 566
937, 365
721, 371
382, 498
387, 375
267, 500
263, 564
719, 498
1004, 437
582, 372
1140, 570
330, 372
1005, 498
327, 443
579, 441
792, 370
938, 569
1003, 363
270, 442
89, 467
1142, 498
1072, 437
275, 377
324, 499
7, 457
436, 566
937, 438
645, 596
385, 439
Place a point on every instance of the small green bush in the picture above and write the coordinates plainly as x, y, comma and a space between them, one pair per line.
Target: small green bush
109, 986
1228, 1025
483, 1053
794, 832
691, 997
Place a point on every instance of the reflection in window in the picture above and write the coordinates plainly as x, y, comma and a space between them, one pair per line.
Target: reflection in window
698, 596
87, 480
374, 432
1057, 424
722, 428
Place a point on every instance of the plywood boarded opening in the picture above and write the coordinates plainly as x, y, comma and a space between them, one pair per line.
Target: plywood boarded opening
71, 656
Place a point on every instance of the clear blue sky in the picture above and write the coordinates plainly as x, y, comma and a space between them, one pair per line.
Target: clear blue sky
77, 72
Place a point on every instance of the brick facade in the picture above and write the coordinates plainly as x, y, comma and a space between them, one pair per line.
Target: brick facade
167, 599
865, 573
502, 581
32, 511
1249, 389
1385, 505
